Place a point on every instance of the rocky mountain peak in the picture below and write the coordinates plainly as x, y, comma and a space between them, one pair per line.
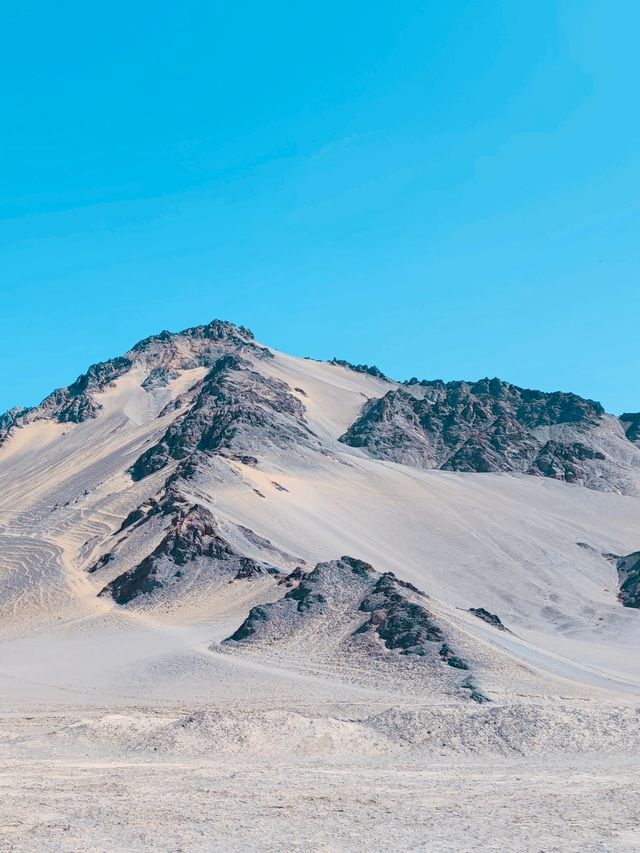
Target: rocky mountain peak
489, 426
162, 355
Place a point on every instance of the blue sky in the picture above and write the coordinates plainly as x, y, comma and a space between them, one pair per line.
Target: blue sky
447, 189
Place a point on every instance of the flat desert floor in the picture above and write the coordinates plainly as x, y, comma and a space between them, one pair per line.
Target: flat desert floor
82, 780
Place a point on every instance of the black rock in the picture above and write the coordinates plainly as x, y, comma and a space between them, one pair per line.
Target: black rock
372, 370
484, 426
192, 535
236, 409
490, 618
629, 579
631, 425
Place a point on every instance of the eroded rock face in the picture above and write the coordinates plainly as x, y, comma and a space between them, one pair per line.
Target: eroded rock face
477, 427
192, 535
74, 404
401, 624
339, 594
237, 410
163, 355
631, 424
489, 618
11, 418
563, 461
629, 579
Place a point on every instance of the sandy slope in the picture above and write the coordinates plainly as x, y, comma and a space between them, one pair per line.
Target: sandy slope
550, 764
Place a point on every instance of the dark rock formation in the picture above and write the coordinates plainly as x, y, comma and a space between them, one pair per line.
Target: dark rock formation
505, 445
400, 623
199, 346
372, 370
480, 427
192, 535
340, 592
490, 618
74, 404
163, 355
134, 516
249, 627
236, 409
451, 658
474, 693
562, 461
104, 560
629, 579
631, 424
159, 377
13, 417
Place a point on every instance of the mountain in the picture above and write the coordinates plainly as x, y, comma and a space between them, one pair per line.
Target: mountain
306, 601
205, 480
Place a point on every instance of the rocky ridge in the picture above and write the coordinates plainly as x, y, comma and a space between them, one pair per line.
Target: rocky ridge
346, 606
192, 540
476, 427
162, 355
235, 409
488, 426
631, 424
629, 579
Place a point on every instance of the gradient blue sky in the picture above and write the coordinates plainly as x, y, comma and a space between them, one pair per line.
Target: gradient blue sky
447, 189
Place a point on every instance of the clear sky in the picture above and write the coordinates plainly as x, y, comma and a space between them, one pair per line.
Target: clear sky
446, 188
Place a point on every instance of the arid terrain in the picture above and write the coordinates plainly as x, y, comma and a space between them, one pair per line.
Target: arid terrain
255, 602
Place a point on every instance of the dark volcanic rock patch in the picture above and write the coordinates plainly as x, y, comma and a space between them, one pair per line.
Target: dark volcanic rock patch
327, 605
236, 410
489, 618
631, 424
401, 624
563, 461
193, 536
74, 404
485, 426
369, 369
629, 579
163, 355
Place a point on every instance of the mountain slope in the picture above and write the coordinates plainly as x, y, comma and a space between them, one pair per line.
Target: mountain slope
173, 489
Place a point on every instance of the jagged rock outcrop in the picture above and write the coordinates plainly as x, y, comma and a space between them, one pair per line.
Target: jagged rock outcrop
505, 445
564, 461
401, 624
629, 579
348, 598
489, 618
9, 419
159, 377
236, 409
480, 427
199, 346
193, 535
74, 404
163, 356
631, 424
369, 369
